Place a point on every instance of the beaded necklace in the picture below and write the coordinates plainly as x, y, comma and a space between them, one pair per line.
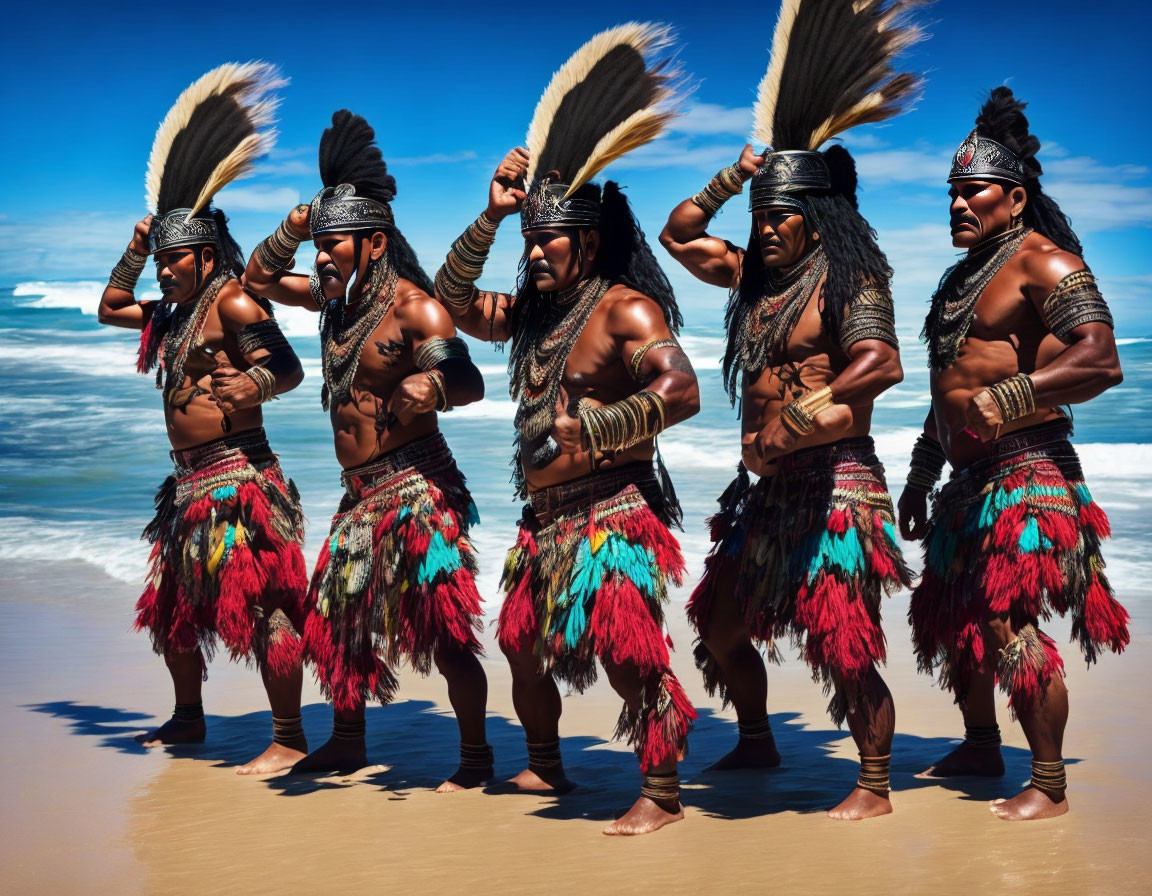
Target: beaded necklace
184, 334
342, 341
954, 303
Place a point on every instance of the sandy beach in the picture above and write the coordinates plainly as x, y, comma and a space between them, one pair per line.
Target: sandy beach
87, 809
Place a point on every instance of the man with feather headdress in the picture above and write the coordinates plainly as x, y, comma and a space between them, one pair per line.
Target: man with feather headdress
597, 373
808, 550
1016, 328
226, 561
395, 578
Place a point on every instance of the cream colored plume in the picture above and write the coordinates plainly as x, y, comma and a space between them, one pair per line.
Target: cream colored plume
251, 84
644, 124
863, 37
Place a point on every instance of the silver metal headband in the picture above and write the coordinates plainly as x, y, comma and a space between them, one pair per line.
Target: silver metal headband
982, 158
175, 230
546, 207
785, 174
339, 210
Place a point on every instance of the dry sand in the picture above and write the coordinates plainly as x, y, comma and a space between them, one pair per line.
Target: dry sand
85, 809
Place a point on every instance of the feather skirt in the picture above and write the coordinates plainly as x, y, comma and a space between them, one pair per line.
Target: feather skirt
226, 561
395, 578
1017, 537
592, 584
808, 553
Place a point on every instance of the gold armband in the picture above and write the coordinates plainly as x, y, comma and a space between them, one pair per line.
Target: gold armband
619, 426
1075, 301
277, 251
456, 279
641, 353
799, 417
870, 316
437, 379
127, 271
1015, 396
437, 350
726, 184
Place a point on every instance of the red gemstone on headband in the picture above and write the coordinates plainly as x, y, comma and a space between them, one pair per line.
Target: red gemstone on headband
967, 157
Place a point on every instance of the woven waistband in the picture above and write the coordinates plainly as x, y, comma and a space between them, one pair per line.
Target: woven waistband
251, 445
549, 502
428, 454
860, 449
1044, 439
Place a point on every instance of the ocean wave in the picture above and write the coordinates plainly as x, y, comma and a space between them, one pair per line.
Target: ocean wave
83, 295
90, 359
121, 556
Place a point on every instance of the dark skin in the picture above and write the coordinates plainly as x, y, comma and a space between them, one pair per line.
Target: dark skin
218, 386
596, 371
1008, 336
812, 360
391, 403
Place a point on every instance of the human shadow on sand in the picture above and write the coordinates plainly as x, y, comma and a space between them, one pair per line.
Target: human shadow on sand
413, 745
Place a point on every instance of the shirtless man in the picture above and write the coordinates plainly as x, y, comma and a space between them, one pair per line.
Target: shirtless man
226, 561
1016, 329
395, 578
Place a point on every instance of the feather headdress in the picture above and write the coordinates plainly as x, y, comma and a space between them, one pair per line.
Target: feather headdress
831, 70
357, 186
614, 94
213, 134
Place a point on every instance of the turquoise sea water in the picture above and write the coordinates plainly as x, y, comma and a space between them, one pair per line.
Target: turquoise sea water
82, 444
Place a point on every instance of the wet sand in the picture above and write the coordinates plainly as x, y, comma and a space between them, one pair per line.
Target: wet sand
86, 809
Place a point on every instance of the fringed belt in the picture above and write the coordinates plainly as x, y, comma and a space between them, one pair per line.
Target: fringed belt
251, 445
429, 454
550, 502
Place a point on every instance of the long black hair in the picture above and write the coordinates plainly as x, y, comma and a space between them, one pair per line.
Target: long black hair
624, 256
1002, 118
854, 259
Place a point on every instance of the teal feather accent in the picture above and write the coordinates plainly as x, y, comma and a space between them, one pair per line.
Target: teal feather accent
1030, 536
473, 514
440, 558
224, 492
403, 514
1083, 494
843, 552
890, 532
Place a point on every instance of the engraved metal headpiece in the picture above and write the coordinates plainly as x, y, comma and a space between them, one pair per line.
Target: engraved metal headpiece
546, 206
339, 210
785, 176
175, 230
982, 158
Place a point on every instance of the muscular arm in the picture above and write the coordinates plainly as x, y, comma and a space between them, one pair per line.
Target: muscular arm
1090, 364
639, 327
118, 305
868, 338
429, 328
260, 340
685, 236
267, 272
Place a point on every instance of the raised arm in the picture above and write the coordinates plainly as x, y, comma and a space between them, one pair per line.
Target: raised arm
118, 305
268, 274
447, 378
685, 236
270, 365
483, 315
1068, 301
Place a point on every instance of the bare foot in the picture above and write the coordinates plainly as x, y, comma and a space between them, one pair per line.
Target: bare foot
967, 760
552, 781
861, 803
760, 753
466, 779
276, 758
644, 817
175, 731
1028, 805
339, 754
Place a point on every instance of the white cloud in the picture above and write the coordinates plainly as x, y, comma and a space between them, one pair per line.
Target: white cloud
713, 119
257, 198
919, 166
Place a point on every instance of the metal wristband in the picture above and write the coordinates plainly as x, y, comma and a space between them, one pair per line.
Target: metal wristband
265, 381
277, 251
127, 271
726, 184
619, 426
799, 417
437, 350
1015, 396
456, 279
927, 464
437, 379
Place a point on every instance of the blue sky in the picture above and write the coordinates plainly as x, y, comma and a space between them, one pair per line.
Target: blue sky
450, 88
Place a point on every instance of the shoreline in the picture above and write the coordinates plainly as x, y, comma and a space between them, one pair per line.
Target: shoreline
87, 808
